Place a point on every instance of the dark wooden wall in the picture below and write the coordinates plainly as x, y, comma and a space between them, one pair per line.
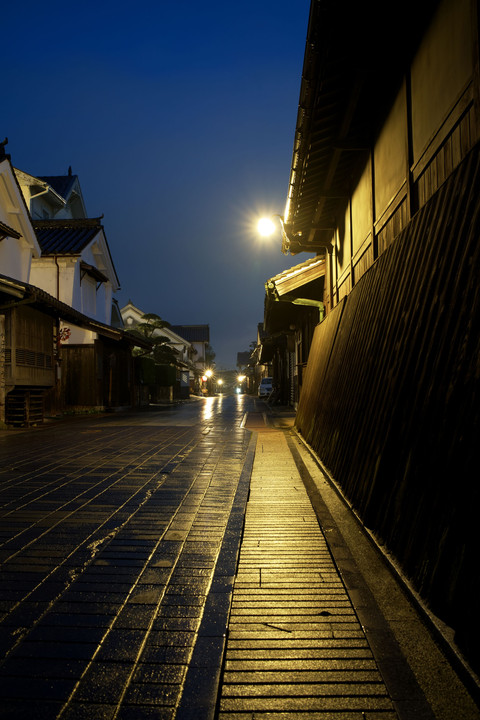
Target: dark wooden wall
29, 347
99, 375
81, 379
390, 400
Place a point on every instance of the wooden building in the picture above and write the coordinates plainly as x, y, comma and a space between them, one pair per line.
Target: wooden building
39, 374
58, 348
385, 186
293, 307
27, 363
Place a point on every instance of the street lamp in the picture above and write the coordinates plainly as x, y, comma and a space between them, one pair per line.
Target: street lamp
240, 380
266, 226
206, 378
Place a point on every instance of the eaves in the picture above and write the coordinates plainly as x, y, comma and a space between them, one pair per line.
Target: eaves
23, 293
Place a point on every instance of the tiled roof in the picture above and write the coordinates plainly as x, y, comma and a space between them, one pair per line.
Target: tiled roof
65, 237
297, 276
50, 305
193, 333
62, 184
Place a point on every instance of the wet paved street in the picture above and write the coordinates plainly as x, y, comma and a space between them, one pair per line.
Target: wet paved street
192, 563
295, 644
114, 531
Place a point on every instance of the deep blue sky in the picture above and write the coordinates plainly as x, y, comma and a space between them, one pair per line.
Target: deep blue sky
179, 118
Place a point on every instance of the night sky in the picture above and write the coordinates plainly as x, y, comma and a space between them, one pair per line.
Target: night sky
179, 118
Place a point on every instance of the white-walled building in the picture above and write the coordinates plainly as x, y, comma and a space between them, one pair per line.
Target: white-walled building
132, 316
199, 337
74, 263
76, 268
53, 196
58, 347
18, 242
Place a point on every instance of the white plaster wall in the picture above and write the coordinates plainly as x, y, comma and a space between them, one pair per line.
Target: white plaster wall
108, 293
89, 297
78, 336
15, 254
39, 209
15, 258
43, 274
104, 302
64, 214
89, 257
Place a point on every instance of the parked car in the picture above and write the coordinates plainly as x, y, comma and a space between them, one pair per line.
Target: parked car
265, 387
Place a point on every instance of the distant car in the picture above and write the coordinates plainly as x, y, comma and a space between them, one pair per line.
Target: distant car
265, 387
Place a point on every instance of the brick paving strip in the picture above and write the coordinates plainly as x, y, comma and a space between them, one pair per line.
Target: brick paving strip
119, 545
295, 648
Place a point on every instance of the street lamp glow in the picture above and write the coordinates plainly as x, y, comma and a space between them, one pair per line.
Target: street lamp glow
266, 226
209, 373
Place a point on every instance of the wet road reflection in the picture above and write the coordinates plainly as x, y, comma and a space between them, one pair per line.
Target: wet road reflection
113, 529
198, 410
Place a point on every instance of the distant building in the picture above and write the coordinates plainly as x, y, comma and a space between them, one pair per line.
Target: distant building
199, 337
292, 310
132, 316
243, 359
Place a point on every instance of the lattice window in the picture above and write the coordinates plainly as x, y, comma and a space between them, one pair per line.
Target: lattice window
30, 358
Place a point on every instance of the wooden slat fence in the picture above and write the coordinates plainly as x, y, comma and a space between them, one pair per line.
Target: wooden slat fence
390, 400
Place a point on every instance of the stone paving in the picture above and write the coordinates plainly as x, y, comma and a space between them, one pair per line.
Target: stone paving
295, 646
119, 544
130, 588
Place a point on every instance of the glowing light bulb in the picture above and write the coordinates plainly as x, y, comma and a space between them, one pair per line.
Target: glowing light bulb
266, 227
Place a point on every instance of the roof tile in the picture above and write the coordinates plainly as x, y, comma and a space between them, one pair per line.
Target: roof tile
65, 237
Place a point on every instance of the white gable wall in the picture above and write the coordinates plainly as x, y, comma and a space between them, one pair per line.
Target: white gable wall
62, 277
15, 258
42, 207
44, 202
15, 254
56, 276
97, 255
